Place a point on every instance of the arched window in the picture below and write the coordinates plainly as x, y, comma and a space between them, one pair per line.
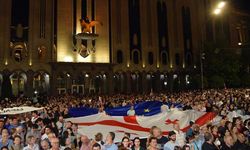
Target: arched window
136, 57
177, 59
119, 57
150, 58
164, 58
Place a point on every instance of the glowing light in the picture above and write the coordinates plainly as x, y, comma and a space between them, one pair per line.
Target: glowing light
6, 62
143, 66
194, 66
68, 75
30, 63
217, 11
127, 64
171, 66
68, 59
165, 83
183, 65
221, 4
86, 75
239, 43
158, 66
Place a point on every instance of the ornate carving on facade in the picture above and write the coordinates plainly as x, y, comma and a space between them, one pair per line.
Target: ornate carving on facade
18, 50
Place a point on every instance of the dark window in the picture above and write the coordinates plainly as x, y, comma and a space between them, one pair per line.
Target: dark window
136, 57
119, 57
150, 58
189, 59
177, 59
164, 59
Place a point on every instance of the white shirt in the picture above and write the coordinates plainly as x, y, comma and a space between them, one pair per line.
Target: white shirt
28, 147
131, 112
180, 137
45, 136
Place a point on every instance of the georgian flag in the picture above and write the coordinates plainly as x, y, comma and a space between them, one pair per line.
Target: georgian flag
139, 125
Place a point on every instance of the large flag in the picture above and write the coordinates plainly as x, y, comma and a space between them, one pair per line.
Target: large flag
148, 108
139, 125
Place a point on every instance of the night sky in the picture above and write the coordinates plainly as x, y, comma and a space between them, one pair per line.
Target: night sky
242, 4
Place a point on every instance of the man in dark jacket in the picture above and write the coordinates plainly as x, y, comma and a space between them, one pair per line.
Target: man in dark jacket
208, 144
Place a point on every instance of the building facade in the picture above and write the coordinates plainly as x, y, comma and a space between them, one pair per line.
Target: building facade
142, 45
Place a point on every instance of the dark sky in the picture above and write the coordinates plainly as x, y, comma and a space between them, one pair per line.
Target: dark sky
242, 4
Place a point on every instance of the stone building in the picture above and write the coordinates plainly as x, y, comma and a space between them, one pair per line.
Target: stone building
142, 45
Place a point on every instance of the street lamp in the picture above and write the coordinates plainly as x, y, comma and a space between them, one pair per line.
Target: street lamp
219, 7
217, 11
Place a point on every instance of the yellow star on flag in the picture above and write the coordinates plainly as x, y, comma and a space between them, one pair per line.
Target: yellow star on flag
146, 110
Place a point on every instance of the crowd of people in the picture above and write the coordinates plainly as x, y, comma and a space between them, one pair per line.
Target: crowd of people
48, 129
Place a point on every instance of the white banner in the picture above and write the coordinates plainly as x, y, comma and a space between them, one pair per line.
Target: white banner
18, 110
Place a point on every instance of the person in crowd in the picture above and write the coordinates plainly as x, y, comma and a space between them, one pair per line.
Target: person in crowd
229, 142
99, 139
137, 144
152, 143
96, 146
161, 140
47, 131
109, 143
60, 124
31, 144
172, 141
125, 144
55, 144
5, 141
209, 142
85, 143
131, 111
180, 136
45, 145
17, 144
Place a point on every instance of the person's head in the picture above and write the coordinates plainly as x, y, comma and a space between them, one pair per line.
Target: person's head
60, 119
96, 146
84, 139
45, 144
34, 114
241, 137
99, 137
1, 123
228, 125
177, 148
31, 140
5, 148
17, 140
55, 143
152, 142
186, 147
229, 140
5, 136
125, 142
208, 137
68, 141
14, 121
75, 127
172, 136
156, 132
137, 142
47, 130
132, 107
110, 137
68, 124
